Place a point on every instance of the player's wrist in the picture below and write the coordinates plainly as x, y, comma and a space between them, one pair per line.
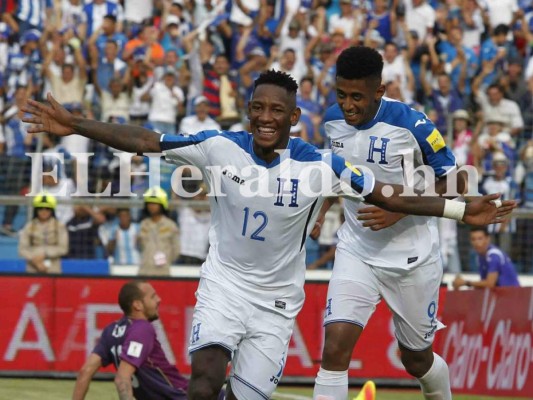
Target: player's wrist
468, 283
454, 209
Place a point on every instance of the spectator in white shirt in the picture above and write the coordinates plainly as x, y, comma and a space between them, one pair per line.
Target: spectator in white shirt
167, 102
420, 17
200, 121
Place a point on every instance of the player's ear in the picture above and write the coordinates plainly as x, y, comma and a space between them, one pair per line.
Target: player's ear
380, 92
295, 116
137, 305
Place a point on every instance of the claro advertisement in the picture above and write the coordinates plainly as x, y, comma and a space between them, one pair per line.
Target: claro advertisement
52, 324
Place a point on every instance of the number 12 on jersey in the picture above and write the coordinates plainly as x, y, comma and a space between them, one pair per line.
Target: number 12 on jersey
263, 220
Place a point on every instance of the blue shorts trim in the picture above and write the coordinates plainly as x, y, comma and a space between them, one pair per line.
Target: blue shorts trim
210, 344
259, 392
344, 320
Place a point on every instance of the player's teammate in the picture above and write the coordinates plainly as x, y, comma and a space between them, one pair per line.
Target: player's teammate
131, 345
251, 285
400, 264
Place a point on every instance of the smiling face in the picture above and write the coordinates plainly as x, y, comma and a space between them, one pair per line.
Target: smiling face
359, 99
272, 111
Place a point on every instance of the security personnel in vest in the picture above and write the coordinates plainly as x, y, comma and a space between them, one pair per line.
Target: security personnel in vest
158, 235
43, 240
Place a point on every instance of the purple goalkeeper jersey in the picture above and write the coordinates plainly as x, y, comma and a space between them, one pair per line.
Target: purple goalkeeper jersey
135, 342
497, 261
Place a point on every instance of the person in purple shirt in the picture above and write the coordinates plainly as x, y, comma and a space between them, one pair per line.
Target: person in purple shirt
495, 267
143, 371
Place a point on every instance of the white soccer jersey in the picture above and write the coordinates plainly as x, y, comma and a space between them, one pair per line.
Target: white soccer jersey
380, 145
257, 242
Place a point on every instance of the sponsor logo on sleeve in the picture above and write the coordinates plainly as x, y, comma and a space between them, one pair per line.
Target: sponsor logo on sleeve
436, 141
135, 349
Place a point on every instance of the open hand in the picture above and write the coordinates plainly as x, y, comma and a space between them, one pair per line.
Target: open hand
482, 210
53, 119
376, 218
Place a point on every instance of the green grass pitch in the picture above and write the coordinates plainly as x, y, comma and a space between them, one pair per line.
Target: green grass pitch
55, 389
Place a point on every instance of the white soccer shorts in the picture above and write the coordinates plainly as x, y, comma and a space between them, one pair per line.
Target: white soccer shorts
257, 338
356, 288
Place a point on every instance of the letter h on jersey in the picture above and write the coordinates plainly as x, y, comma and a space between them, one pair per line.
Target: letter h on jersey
373, 149
281, 192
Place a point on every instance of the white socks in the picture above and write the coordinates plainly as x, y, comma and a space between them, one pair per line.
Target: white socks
435, 383
331, 385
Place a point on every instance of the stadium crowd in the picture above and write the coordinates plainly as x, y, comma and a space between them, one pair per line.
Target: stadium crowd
182, 66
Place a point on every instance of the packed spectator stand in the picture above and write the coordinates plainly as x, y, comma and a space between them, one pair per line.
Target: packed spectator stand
182, 66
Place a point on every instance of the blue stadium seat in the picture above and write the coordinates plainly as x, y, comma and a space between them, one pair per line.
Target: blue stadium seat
12, 265
85, 267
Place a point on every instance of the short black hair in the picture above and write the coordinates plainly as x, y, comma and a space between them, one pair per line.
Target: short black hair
496, 86
501, 29
359, 62
111, 17
130, 292
479, 229
277, 78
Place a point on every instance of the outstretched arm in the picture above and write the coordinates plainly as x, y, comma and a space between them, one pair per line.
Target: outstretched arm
480, 211
55, 119
93, 363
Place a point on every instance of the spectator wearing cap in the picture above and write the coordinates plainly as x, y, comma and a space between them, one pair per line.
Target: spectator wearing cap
420, 17
295, 38
462, 137
22, 65
349, 20
69, 87
501, 181
177, 23
32, 14
492, 102
495, 140
200, 121
94, 14
167, 101
374, 40
43, 240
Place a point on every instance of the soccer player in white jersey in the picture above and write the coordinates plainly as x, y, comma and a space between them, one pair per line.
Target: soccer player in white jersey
398, 259
251, 285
